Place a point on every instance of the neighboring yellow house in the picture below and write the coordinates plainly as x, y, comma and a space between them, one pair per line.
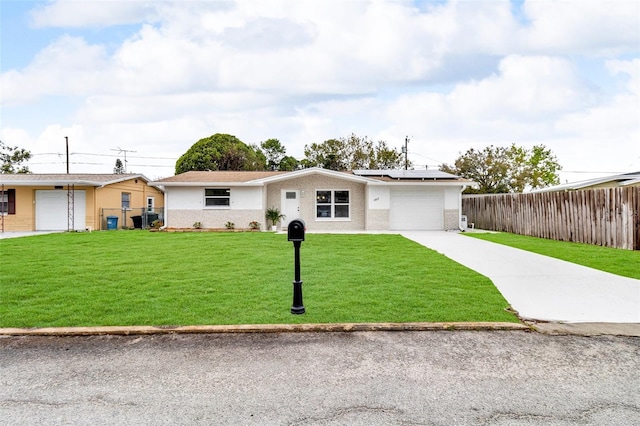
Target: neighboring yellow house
60, 202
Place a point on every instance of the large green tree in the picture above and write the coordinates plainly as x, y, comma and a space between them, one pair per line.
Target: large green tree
276, 154
221, 152
507, 169
12, 157
352, 153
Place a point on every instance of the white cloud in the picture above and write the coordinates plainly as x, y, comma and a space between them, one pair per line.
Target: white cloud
68, 66
73, 13
586, 27
450, 75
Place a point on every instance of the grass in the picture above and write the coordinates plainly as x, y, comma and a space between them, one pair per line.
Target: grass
144, 278
616, 261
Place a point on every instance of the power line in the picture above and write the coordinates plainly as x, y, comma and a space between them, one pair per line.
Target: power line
106, 155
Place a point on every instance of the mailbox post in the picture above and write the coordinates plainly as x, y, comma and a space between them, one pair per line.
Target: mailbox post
295, 233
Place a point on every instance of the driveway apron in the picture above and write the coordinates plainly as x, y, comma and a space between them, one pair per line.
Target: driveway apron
540, 287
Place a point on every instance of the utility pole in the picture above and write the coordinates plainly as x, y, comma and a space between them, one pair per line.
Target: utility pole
66, 138
120, 150
71, 196
406, 153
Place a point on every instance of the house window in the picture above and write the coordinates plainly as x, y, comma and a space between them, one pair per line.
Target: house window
126, 200
8, 202
217, 197
332, 204
151, 204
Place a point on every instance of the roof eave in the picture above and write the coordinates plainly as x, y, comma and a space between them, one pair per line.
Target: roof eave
203, 184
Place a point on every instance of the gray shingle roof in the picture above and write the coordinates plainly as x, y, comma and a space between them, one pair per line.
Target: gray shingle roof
218, 176
28, 179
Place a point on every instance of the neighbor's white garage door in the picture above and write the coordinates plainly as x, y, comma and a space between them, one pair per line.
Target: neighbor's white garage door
416, 209
52, 211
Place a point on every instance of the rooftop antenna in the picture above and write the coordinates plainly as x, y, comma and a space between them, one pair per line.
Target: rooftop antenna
120, 150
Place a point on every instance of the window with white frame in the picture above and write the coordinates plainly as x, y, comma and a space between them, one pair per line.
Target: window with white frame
4, 202
332, 204
8, 202
126, 200
217, 197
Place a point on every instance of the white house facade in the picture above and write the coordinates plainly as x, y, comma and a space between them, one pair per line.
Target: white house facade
325, 199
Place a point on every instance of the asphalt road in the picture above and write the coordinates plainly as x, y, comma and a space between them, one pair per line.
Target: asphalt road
359, 378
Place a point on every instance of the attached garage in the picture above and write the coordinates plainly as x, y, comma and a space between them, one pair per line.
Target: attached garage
420, 209
52, 210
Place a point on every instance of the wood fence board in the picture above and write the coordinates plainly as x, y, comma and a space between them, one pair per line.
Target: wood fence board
605, 216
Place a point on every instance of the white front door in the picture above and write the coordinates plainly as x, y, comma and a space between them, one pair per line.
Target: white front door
290, 202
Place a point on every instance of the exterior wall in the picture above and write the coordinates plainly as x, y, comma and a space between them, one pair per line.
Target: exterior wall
25, 217
110, 196
214, 218
451, 219
307, 185
185, 206
378, 203
378, 220
452, 205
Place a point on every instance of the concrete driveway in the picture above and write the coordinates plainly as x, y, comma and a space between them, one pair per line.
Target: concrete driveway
16, 234
541, 287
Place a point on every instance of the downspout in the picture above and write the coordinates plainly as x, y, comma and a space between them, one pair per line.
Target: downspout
166, 209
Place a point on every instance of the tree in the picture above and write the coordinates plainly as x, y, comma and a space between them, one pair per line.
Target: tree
221, 152
512, 169
12, 157
351, 153
274, 152
330, 154
119, 168
288, 163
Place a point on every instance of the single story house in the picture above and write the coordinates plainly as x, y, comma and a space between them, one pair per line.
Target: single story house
325, 199
58, 202
615, 181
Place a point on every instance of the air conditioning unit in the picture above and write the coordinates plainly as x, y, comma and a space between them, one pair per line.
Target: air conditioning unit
464, 223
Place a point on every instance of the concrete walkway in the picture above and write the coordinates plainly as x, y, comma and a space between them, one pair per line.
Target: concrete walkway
17, 234
541, 287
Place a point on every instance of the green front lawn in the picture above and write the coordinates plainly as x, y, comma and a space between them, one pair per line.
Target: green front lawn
613, 260
145, 278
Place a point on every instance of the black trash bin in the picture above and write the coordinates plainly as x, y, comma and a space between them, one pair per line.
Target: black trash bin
137, 221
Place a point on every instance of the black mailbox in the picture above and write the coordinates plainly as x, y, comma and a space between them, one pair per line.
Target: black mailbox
295, 230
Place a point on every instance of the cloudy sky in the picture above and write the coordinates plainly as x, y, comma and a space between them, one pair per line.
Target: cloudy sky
153, 77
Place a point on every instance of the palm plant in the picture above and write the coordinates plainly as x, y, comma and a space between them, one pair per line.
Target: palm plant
274, 215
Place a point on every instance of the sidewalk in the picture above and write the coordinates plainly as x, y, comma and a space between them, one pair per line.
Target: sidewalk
17, 234
541, 287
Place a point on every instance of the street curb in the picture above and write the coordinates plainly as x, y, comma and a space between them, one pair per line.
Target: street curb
586, 329
262, 328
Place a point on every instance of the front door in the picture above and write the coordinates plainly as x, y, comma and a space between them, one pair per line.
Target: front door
290, 202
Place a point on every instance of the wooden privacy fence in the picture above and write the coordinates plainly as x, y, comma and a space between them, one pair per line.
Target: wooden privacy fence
604, 217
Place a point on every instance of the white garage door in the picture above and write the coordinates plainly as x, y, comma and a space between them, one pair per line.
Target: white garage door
417, 209
52, 210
